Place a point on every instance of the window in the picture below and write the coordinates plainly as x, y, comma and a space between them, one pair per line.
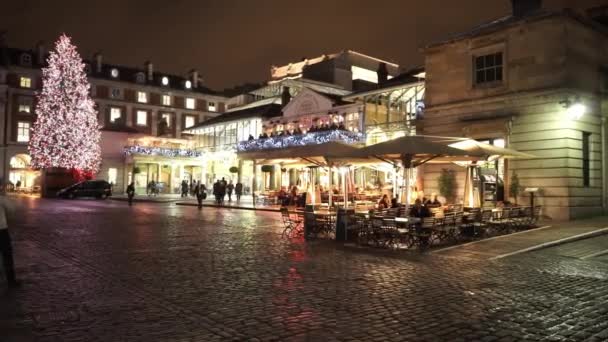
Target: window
140, 77
211, 107
167, 118
26, 59
115, 114
112, 173
586, 159
189, 121
23, 131
115, 93
190, 104
166, 100
142, 118
142, 97
25, 82
23, 108
488, 68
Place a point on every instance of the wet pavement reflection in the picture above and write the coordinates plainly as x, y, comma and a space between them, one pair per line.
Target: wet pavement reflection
103, 271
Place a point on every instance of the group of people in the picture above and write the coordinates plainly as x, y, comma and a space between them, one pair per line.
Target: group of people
221, 188
152, 189
192, 188
297, 131
420, 207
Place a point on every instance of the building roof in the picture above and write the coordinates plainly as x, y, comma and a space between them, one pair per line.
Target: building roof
412, 76
11, 56
264, 111
296, 69
511, 20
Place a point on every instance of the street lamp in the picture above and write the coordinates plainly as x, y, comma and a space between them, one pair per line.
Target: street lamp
575, 109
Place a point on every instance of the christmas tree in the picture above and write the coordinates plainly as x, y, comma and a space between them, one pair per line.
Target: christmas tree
66, 132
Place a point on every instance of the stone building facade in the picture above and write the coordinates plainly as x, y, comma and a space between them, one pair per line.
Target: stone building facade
521, 80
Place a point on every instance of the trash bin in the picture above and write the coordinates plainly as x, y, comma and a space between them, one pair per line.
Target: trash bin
345, 217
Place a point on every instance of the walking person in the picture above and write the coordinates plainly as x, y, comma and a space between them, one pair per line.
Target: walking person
6, 245
229, 189
238, 191
184, 188
200, 191
216, 191
131, 192
223, 185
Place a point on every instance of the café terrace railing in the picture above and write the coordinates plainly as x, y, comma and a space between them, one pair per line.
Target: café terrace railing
310, 138
161, 151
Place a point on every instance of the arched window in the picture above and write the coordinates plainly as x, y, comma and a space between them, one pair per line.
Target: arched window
140, 77
25, 59
20, 161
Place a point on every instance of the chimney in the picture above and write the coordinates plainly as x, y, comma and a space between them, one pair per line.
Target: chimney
40, 52
285, 96
98, 62
524, 7
382, 73
149, 71
194, 78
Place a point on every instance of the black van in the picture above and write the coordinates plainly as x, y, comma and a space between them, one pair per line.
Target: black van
91, 188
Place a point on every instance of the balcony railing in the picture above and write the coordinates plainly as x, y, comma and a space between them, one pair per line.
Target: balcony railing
310, 138
161, 151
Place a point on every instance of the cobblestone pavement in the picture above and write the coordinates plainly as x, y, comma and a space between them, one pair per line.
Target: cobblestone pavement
101, 271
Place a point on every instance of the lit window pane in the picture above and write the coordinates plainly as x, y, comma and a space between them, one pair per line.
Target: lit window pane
115, 114
25, 82
142, 97
189, 122
190, 103
23, 131
142, 118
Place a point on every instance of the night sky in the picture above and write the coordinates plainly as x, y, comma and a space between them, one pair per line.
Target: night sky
236, 41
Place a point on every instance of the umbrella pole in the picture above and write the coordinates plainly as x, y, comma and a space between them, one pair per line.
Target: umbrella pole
313, 186
331, 176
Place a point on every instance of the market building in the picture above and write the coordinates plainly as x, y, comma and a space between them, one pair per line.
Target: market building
534, 81
142, 113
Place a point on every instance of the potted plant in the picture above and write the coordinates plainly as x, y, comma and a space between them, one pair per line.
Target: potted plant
136, 170
447, 184
234, 169
514, 187
267, 168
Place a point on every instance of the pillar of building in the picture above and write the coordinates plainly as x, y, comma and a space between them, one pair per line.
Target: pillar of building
254, 180
239, 175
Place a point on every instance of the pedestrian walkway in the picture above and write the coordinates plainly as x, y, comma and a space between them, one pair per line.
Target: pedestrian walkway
550, 234
246, 203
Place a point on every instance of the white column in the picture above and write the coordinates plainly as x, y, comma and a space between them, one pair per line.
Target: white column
331, 192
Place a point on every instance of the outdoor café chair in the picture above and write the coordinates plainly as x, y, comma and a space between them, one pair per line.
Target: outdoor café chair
423, 234
291, 226
480, 226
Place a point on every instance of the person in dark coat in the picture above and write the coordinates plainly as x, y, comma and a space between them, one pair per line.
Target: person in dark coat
6, 245
223, 186
216, 191
131, 192
184, 188
238, 190
200, 191
229, 189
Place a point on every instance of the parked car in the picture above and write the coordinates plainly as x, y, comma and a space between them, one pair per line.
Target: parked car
91, 188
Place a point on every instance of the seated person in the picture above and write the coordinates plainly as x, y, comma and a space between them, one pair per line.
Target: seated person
433, 202
383, 203
394, 203
419, 210
250, 137
265, 135
333, 126
341, 127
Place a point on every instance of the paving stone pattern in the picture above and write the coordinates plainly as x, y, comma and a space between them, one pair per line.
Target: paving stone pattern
101, 271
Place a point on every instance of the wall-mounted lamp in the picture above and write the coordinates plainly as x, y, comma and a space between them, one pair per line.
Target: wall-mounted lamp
575, 109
